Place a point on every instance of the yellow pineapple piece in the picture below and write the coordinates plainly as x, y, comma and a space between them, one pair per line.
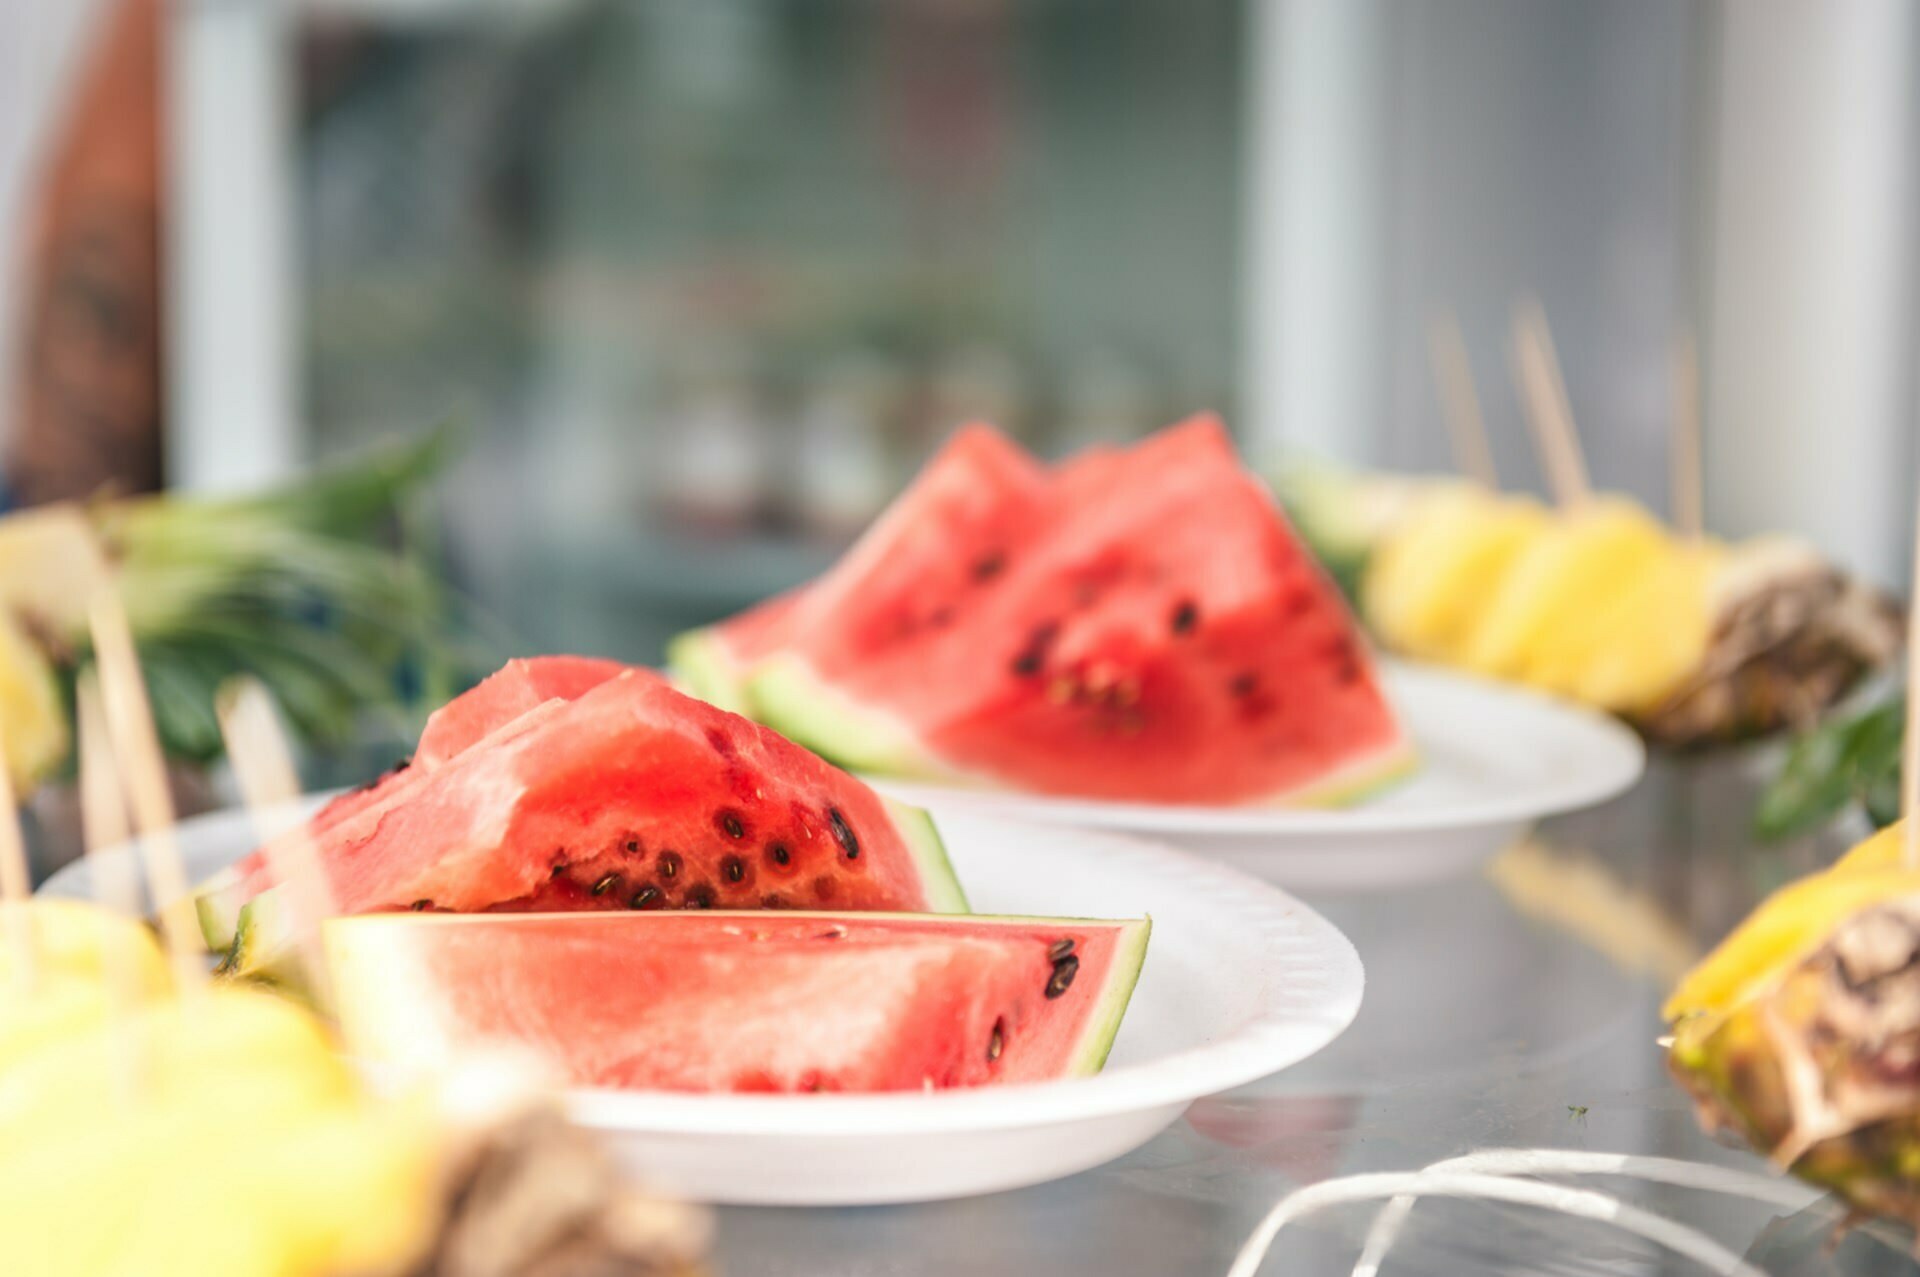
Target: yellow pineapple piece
33, 722
51, 562
1586, 560
251, 1150
1791, 923
71, 999
1629, 654
1427, 581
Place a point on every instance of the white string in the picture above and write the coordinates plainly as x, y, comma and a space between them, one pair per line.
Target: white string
1581, 1203
1548, 1161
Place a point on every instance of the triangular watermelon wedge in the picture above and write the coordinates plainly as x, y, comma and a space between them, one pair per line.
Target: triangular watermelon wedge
742, 1001
900, 591
489, 708
1160, 635
630, 797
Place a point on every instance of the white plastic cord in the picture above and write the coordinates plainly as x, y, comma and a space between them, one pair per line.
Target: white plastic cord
1552, 1161
1579, 1202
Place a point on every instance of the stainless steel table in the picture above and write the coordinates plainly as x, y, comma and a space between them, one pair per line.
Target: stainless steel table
1514, 1008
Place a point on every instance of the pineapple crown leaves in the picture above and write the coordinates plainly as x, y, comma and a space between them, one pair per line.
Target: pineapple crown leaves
1851, 759
301, 586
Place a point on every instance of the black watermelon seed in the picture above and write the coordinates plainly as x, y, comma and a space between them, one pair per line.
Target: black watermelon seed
989, 566
421, 906
731, 825
1243, 684
700, 896
842, 834
1063, 973
733, 868
1185, 616
644, 897
607, 883
780, 854
633, 846
1027, 664
669, 864
559, 867
1059, 949
997, 1042
774, 900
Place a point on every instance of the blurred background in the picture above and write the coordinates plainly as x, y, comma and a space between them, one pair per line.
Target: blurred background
707, 281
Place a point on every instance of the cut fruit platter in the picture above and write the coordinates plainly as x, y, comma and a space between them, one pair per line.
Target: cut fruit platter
952, 968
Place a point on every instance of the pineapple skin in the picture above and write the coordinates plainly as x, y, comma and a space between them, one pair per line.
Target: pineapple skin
1820, 1071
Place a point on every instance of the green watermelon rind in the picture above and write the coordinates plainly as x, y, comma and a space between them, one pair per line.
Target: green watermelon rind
790, 698
217, 906
699, 663
1359, 781
1129, 956
929, 852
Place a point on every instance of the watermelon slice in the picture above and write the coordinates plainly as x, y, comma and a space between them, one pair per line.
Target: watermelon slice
900, 593
742, 1001
498, 700
632, 796
1159, 635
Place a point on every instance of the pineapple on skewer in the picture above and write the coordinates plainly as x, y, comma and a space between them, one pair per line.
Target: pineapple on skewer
1693, 640
1801, 1032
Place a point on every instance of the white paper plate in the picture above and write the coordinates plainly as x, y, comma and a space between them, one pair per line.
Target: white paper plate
1494, 758
1240, 981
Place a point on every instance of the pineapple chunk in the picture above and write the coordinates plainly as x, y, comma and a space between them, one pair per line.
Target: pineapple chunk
1628, 656
1790, 924
70, 940
33, 721
1429, 580
1586, 561
252, 1149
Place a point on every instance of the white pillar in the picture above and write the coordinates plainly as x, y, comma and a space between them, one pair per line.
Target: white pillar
1315, 226
232, 413
1810, 344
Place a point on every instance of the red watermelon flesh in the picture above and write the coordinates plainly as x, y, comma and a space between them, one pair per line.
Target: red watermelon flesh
742, 1001
902, 593
631, 797
514, 689
1166, 639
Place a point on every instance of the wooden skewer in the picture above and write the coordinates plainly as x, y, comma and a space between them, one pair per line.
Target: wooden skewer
1689, 503
1459, 401
136, 745
16, 883
103, 814
1909, 752
1543, 393
257, 748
